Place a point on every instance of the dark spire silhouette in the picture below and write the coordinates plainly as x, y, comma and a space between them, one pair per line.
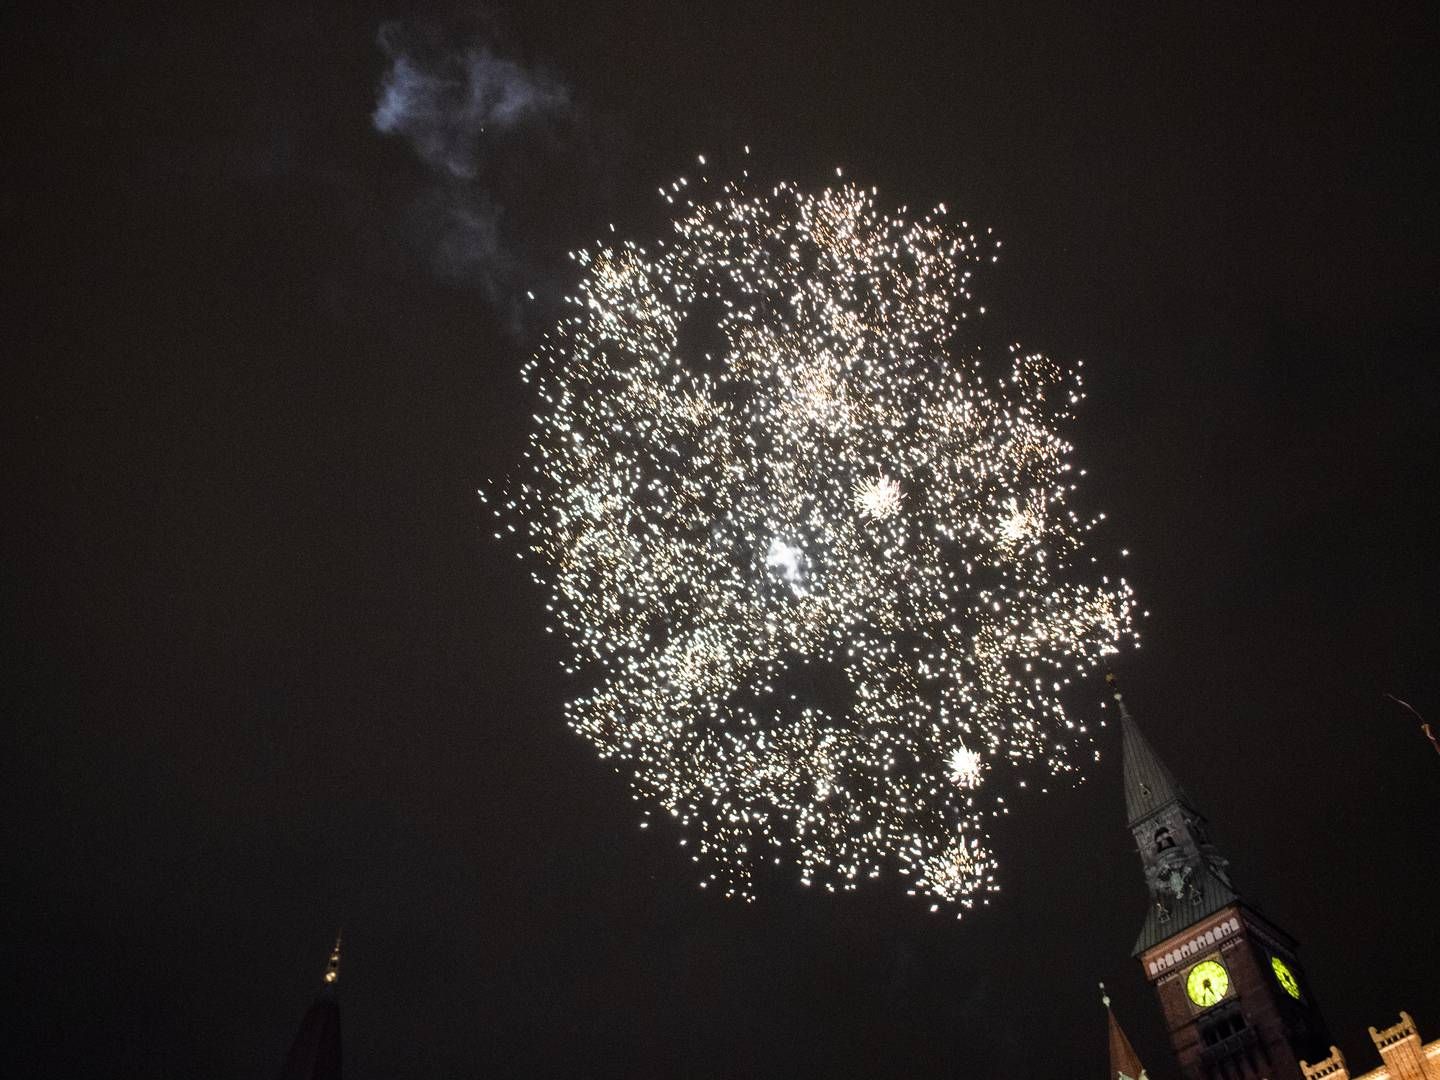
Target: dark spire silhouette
1185, 873
1149, 785
315, 1053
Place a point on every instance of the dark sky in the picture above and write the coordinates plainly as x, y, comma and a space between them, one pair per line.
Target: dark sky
266, 674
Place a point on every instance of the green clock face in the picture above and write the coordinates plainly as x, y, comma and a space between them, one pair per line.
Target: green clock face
1285, 977
1207, 983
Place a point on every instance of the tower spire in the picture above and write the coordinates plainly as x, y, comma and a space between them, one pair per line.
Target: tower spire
315, 1053
1124, 1062
1225, 976
332, 966
1149, 785
1187, 878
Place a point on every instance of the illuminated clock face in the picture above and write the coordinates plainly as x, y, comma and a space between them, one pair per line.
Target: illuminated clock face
1285, 977
1207, 983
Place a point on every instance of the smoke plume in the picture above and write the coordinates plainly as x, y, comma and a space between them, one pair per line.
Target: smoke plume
493, 133
446, 105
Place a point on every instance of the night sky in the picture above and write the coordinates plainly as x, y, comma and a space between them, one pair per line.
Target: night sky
267, 674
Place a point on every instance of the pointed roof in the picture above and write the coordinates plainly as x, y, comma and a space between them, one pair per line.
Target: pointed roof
1149, 785
315, 1053
1124, 1062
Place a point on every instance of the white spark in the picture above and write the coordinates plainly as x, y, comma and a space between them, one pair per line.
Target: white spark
878, 497
712, 497
1021, 523
964, 766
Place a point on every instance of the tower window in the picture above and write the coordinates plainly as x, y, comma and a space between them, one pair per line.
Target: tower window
1222, 1027
1163, 839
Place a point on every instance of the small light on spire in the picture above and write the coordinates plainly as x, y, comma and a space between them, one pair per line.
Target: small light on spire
1104, 997
332, 967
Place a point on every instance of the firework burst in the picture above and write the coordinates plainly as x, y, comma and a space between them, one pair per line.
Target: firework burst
814, 560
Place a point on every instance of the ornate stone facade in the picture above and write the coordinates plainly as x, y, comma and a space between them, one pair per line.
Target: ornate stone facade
1402, 1056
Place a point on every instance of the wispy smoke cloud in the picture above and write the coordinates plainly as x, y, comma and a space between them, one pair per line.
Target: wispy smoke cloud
446, 104
492, 132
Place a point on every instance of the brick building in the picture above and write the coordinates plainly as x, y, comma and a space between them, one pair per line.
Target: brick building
1402, 1057
1234, 994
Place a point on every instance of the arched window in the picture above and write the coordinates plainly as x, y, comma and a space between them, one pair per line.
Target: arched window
1163, 839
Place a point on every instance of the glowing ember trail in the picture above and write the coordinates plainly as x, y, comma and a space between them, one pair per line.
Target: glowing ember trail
813, 557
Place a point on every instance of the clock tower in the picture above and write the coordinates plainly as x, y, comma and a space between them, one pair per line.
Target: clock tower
1236, 1001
